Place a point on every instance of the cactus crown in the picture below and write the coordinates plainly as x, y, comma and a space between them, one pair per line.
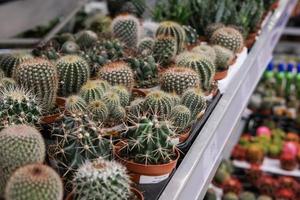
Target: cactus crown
164, 49
180, 117
145, 46
86, 38
158, 103
75, 103
94, 90
223, 57
99, 111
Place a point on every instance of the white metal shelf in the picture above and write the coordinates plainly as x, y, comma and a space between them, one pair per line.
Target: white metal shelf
194, 174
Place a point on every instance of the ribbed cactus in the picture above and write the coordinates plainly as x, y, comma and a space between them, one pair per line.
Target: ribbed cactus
40, 77
19, 145
230, 196
102, 179
191, 35
9, 62
7, 83
146, 45
2, 74
127, 29
73, 72
247, 196
179, 79
210, 195
94, 90
211, 28
176, 100
34, 182
145, 70
70, 47
99, 111
117, 73
111, 100
194, 99
118, 115
135, 109
206, 51
172, 29
75, 103
180, 117
18, 106
149, 141
77, 139
229, 38
203, 66
164, 49
223, 57
86, 38
158, 102
123, 93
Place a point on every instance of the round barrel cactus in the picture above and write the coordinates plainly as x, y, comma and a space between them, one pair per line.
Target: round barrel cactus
158, 102
86, 38
75, 103
9, 62
99, 110
191, 35
123, 93
211, 28
164, 49
206, 51
180, 117
94, 90
224, 57
146, 45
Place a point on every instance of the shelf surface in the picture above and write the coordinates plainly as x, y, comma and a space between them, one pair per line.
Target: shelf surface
192, 177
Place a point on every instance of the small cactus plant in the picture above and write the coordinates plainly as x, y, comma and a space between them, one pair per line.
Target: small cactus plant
127, 29
224, 57
19, 145
146, 45
158, 102
211, 28
111, 100
135, 109
123, 94
247, 196
164, 49
9, 62
70, 47
206, 51
178, 79
175, 99
73, 72
75, 103
86, 38
191, 35
94, 90
36, 182
100, 179
230, 196
180, 117
117, 73
99, 110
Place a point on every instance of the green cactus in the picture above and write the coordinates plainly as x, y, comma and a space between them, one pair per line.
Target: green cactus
86, 38
146, 45
180, 117
111, 100
2, 74
230, 196
94, 90
98, 23
75, 103
202, 65
264, 197
99, 110
117, 73
135, 109
172, 29
7, 83
194, 99
70, 47
247, 196
18, 106
210, 195
102, 179
35, 182
158, 102
224, 57
48, 50
149, 141
178, 79
64, 37
221, 176
19, 145
118, 115
206, 51
164, 49
211, 28
127, 29
123, 93
191, 35
176, 100
136, 7
9, 62
40, 77
73, 72
77, 139
229, 38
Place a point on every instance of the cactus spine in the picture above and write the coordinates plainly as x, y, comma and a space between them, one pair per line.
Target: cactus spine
86, 38
191, 35
75, 103
211, 28
35, 182
98, 110
6, 83
180, 117
146, 45
123, 94
164, 49
158, 102
223, 57
94, 90
206, 51
9, 62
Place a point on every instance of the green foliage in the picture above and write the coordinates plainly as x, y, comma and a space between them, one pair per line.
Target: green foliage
9, 62
75, 103
164, 49
94, 90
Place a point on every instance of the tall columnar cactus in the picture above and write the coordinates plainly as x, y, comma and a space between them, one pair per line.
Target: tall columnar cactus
191, 35
75, 103
149, 141
206, 51
9, 62
86, 38
77, 139
158, 102
35, 182
39, 76
211, 28
179, 79
146, 45
224, 57
18, 106
203, 66
229, 38
19, 145
164, 49
117, 73
73, 72
123, 93
194, 99
99, 111
102, 179
180, 117
127, 29
94, 90
172, 29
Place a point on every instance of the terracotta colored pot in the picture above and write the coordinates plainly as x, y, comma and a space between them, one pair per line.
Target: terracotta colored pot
49, 119
274, 5
250, 42
61, 102
144, 91
220, 75
182, 137
137, 170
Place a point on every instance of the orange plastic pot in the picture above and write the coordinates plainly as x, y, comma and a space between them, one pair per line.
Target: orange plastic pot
221, 75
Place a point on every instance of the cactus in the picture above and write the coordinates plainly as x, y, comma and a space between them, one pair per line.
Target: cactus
274, 150
172, 29
98, 23
206, 51
149, 141
19, 145
99, 110
191, 35
247, 196
264, 197
145, 70
210, 195
9, 62
118, 115
2, 74
86, 38
224, 57
164, 49
18, 106
123, 94
136, 7
70, 47
64, 37
230, 196
203, 66
48, 50
117, 73
178, 79
211, 28
158, 102
146, 45
7, 83
175, 99
75, 103
180, 117
73, 72
111, 100
135, 109
194, 99
77, 139
127, 29
39, 76
94, 90
229, 38
221, 176
102, 179
35, 182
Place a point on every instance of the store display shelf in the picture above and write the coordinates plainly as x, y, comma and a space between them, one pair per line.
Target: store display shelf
192, 177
